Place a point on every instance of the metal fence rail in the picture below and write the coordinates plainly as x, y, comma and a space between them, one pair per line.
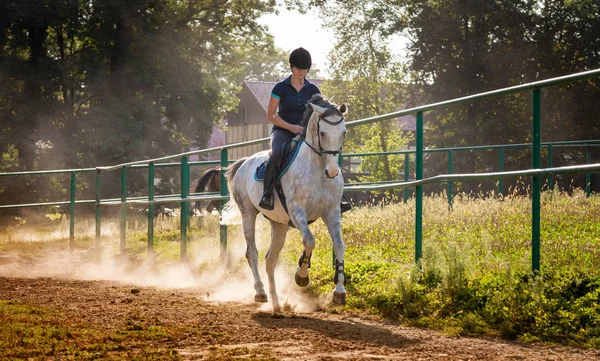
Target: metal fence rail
471, 176
184, 197
549, 146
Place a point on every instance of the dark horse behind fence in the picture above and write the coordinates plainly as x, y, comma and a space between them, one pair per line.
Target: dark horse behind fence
210, 181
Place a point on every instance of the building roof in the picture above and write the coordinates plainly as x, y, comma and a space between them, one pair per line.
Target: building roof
261, 91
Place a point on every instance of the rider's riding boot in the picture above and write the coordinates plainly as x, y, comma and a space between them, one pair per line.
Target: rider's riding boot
267, 201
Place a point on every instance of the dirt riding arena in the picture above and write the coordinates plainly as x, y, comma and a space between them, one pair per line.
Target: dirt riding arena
304, 331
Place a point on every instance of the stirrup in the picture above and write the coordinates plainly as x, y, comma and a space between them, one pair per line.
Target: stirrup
267, 201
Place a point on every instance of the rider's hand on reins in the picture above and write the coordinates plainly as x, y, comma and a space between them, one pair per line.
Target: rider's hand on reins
296, 129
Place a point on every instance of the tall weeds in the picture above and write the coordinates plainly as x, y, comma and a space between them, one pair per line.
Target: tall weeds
475, 275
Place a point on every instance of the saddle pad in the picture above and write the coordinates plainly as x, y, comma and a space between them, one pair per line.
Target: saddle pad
287, 161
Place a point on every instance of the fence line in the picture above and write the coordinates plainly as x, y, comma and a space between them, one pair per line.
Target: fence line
535, 172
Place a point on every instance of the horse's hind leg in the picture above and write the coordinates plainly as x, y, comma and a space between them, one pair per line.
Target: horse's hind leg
249, 225
278, 232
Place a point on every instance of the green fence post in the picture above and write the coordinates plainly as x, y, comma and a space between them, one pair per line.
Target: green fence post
419, 190
501, 169
98, 215
588, 175
450, 182
224, 192
72, 212
406, 175
550, 180
151, 210
185, 188
536, 180
123, 224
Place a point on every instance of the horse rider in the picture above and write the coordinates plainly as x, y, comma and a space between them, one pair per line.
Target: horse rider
285, 110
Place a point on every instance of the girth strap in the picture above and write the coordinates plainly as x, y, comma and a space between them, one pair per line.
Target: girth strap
279, 190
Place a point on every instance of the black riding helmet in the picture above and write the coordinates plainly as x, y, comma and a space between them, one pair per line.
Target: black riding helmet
300, 58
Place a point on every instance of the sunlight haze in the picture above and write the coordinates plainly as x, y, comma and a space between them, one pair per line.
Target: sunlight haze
291, 29
308, 32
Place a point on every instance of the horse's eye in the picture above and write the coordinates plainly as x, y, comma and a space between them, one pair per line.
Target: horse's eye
322, 134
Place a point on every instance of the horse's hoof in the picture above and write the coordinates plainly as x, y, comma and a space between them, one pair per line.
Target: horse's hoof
339, 298
260, 297
301, 281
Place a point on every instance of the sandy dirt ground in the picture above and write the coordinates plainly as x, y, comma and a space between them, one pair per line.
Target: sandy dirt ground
293, 335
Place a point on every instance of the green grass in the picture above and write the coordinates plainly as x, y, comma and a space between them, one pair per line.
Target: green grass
474, 277
475, 273
32, 332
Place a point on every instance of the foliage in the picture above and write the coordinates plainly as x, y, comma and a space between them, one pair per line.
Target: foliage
98, 83
459, 48
368, 78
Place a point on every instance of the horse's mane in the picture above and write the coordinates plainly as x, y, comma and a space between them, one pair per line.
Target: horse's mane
317, 99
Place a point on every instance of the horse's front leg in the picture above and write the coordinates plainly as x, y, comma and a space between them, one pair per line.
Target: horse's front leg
298, 216
334, 223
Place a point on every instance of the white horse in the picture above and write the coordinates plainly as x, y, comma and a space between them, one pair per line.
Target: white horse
313, 187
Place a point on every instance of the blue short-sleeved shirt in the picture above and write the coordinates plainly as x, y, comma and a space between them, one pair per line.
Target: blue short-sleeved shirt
292, 103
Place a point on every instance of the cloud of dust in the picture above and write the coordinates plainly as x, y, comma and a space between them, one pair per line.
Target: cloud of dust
231, 213
32, 232
205, 274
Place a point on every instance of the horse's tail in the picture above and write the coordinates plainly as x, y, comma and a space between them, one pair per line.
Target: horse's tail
200, 184
232, 170
231, 213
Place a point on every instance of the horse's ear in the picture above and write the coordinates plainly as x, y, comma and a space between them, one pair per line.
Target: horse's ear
318, 109
343, 109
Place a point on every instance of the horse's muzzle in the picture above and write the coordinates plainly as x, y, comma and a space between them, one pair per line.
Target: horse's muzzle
329, 176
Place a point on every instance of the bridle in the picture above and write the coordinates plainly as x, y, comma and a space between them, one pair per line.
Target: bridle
322, 151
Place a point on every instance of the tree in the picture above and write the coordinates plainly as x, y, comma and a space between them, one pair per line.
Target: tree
463, 47
105, 82
367, 77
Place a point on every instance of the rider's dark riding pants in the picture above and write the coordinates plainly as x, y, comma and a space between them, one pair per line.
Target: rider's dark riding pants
278, 138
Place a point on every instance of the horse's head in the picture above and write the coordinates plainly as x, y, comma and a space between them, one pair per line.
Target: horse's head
325, 131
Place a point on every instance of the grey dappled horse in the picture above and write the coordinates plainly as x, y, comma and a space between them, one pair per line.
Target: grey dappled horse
313, 186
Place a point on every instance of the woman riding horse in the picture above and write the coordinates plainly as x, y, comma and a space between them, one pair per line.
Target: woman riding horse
313, 188
285, 110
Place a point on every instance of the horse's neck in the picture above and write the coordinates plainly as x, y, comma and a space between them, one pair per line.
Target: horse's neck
307, 161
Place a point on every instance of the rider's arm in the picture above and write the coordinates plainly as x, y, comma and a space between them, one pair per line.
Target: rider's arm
274, 118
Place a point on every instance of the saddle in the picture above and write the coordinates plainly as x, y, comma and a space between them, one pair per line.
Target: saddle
290, 151
289, 155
